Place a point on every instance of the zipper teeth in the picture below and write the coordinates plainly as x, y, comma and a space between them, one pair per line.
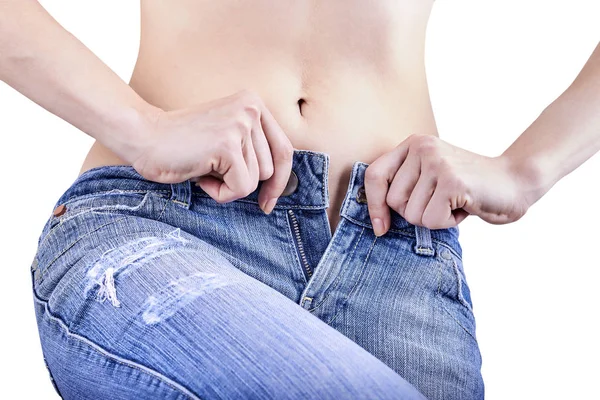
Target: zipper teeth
296, 228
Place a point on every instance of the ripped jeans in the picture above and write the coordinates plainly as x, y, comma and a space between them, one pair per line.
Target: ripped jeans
145, 290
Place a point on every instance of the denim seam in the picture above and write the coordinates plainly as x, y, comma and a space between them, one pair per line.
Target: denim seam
326, 226
457, 321
113, 207
439, 299
293, 246
277, 206
89, 233
325, 184
362, 271
337, 279
309, 152
120, 360
74, 243
98, 209
348, 194
85, 210
162, 212
409, 233
322, 262
114, 191
40, 276
318, 269
357, 222
460, 280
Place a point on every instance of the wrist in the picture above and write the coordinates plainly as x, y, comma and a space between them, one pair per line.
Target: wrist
531, 174
133, 129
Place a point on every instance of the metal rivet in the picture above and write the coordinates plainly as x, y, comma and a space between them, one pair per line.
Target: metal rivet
446, 254
292, 185
60, 210
361, 196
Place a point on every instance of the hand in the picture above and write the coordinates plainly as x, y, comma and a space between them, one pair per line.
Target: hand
434, 184
226, 146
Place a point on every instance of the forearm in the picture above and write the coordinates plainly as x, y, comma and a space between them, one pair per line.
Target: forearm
565, 135
50, 66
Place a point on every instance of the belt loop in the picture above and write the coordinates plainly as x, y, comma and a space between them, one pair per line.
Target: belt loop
424, 245
181, 193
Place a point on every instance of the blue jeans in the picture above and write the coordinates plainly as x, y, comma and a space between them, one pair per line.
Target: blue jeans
145, 290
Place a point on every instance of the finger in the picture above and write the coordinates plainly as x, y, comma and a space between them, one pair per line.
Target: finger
211, 185
235, 183
262, 150
439, 213
378, 176
419, 199
404, 183
282, 153
251, 162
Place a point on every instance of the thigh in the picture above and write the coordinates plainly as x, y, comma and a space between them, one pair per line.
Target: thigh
129, 307
425, 327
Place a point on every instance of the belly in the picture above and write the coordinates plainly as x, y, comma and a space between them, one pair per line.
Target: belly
339, 76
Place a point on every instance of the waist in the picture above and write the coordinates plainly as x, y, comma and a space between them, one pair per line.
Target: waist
338, 77
349, 112
359, 128
308, 190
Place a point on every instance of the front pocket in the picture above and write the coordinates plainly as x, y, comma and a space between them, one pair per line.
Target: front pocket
114, 200
453, 291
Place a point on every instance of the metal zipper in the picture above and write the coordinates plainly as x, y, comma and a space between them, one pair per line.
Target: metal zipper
296, 228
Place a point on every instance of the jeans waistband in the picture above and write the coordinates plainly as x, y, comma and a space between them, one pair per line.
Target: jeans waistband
355, 209
311, 169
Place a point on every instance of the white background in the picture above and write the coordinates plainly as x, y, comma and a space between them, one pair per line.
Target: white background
492, 67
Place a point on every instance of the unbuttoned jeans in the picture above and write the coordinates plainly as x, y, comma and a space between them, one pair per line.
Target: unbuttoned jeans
145, 290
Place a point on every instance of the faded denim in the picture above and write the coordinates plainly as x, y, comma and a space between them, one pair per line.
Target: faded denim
145, 290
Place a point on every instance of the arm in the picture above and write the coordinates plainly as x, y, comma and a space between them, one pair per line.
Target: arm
50, 66
234, 137
565, 135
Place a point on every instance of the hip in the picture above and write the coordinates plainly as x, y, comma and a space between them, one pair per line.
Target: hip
112, 223
294, 240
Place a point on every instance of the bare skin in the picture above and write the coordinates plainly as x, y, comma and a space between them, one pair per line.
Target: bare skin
358, 71
222, 93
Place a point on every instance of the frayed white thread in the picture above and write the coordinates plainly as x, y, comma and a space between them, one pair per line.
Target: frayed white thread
121, 260
107, 290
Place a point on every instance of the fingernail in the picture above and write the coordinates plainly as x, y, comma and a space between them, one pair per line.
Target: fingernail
269, 205
378, 226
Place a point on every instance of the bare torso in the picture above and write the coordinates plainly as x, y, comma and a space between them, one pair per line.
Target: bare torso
340, 76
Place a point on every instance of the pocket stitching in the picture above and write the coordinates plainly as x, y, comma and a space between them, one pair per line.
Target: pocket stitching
74, 198
460, 299
100, 209
88, 233
56, 222
327, 292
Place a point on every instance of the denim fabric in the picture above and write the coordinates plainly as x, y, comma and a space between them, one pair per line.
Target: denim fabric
145, 290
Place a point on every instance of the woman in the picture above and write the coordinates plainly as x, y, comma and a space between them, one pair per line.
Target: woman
158, 275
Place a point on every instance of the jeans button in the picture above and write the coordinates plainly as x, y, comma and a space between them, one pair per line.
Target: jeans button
292, 185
